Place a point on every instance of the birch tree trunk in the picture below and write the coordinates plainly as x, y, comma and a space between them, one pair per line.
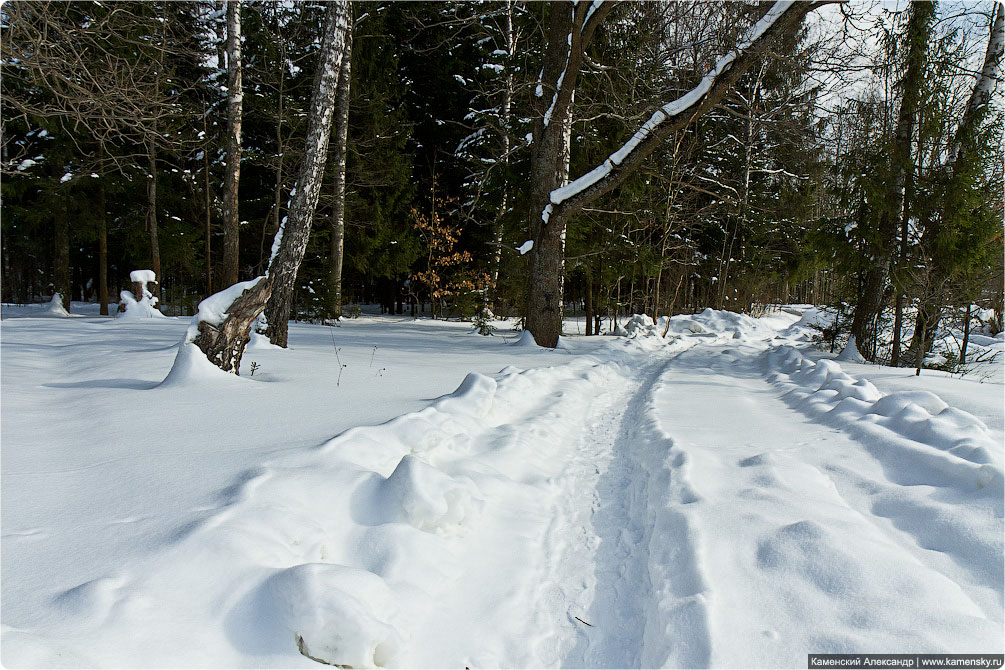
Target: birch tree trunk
552, 203
871, 301
235, 98
506, 113
224, 343
338, 204
291, 240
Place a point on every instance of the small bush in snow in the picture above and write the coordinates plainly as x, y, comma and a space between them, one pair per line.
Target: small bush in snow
482, 321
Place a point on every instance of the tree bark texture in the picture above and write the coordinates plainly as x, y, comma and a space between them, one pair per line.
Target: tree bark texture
567, 41
294, 233
871, 301
224, 345
552, 207
231, 214
338, 204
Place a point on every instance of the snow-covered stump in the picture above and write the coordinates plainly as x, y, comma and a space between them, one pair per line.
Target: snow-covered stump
221, 328
141, 302
145, 285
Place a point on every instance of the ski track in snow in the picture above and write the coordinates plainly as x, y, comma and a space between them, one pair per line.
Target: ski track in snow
710, 501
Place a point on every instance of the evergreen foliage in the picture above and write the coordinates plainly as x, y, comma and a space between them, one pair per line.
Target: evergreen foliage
776, 195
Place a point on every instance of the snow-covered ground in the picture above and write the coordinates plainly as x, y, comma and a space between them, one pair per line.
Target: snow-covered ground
408, 493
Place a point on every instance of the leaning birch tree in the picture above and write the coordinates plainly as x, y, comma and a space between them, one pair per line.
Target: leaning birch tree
552, 200
223, 325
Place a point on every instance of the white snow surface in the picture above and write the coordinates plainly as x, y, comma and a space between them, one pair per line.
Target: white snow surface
525, 247
726, 496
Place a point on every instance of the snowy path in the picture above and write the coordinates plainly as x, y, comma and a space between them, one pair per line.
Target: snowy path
809, 540
715, 500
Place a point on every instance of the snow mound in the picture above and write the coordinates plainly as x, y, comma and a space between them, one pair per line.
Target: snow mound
55, 308
343, 552
708, 323
850, 353
473, 397
901, 427
192, 367
430, 499
636, 326
259, 342
739, 326
525, 341
336, 614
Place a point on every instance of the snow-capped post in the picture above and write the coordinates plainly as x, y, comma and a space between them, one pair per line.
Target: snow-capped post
222, 327
552, 200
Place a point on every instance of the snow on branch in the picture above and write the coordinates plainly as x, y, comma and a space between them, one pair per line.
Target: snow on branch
674, 115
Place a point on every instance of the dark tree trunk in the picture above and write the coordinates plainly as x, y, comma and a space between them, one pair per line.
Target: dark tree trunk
231, 215
589, 302
550, 170
102, 247
61, 257
208, 250
966, 335
570, 31
871, 301
898, 328
155, 247
293, 235
338, 205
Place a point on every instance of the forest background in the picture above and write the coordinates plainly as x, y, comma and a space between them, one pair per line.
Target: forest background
857, 164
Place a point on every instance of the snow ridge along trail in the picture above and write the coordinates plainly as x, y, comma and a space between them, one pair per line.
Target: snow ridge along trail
821, 525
